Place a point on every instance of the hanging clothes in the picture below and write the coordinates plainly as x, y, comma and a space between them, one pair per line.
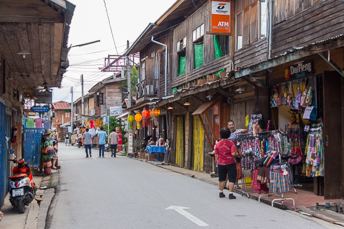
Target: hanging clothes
315, 153
280, 179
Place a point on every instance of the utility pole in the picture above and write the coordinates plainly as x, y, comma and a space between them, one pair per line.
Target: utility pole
82, 99
128, 77
71, 109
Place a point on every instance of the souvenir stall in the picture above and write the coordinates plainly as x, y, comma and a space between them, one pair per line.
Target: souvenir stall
295, 110
146, 127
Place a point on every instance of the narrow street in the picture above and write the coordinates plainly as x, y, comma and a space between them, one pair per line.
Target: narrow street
126, 193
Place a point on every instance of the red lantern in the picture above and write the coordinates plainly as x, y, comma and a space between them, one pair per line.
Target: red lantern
146, 114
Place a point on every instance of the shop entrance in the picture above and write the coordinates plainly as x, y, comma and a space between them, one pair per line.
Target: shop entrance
309, 110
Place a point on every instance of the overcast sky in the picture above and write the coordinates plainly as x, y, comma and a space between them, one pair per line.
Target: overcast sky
128, 20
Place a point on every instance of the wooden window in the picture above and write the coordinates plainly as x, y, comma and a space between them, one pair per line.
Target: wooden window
250, 21
198, 46
198, 33
143, 71
221, 45
263, 29
100, 99
181, 55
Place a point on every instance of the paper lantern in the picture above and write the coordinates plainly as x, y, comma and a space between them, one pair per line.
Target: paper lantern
131, 118
138, 117
157, 112
146, 114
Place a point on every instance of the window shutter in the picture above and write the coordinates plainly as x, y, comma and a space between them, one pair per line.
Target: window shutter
254, 22
246, 31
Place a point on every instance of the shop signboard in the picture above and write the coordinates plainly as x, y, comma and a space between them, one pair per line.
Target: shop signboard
115, 111
130, 143
43, 97
220, 20
299, 70
40, 109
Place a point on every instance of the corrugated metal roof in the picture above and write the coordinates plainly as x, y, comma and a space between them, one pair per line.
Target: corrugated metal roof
61, 105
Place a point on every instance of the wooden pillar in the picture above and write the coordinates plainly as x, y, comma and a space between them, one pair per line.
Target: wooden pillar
188, 141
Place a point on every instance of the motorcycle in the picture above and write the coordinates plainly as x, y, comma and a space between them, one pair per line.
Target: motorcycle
79, 142
22, 191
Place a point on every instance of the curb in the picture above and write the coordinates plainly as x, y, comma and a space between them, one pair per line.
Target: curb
39, 209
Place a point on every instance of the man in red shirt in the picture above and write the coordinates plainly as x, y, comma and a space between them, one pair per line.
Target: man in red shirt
225, 150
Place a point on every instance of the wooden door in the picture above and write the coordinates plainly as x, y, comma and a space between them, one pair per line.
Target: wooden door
332, 134
198, 144
180, 141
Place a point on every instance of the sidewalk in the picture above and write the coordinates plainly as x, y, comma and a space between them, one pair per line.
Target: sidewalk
35, 214
304, 201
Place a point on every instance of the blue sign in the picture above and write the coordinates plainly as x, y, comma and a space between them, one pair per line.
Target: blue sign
40, 109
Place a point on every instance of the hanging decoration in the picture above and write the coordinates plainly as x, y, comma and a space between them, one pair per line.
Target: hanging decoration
146, 116
130, 121
138, 119
92, 124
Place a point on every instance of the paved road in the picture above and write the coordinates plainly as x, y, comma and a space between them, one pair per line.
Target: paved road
126, 193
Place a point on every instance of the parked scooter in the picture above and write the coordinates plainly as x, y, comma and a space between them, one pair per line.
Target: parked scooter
21, 186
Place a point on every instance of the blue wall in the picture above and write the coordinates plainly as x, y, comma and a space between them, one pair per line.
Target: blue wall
3, 153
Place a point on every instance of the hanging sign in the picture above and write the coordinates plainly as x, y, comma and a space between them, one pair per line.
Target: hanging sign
299, 70
115, 111
220, 17
40, 109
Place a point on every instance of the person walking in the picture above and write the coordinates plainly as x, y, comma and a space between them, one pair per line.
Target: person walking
101, 141
88, 143
113, 141
225, 151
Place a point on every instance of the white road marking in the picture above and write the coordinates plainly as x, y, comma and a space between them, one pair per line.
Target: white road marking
182, 210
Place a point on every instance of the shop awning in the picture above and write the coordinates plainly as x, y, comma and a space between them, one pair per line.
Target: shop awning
203, 108
123, 115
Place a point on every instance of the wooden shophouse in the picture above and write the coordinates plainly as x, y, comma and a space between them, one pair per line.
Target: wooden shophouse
305, 50
33, 58
271, 46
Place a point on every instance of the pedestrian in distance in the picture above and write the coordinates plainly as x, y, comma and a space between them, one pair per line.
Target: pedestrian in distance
113, 141
225, 152
67, 139
101, 141
88, 143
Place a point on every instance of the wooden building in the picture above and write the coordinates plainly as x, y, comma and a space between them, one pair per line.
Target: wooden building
33, 55
101, 98
272, 46
62, 115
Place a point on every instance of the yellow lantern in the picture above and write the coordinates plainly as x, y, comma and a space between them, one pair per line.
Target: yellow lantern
157, 112
138, 117
131, 118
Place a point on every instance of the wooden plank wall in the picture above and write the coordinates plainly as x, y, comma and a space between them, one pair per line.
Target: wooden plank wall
185, 29
153, 62
238, 112
253, 54
113, 96
298, 25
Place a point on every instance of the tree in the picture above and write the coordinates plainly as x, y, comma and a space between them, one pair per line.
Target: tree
134, 79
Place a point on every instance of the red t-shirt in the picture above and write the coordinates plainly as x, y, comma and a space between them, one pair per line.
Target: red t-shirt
224, 150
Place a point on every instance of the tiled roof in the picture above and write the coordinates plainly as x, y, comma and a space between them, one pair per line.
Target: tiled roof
61, 105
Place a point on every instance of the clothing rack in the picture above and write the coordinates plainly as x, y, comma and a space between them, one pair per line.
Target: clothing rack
278, 147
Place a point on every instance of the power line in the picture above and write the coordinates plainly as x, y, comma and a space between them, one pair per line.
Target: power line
113, 38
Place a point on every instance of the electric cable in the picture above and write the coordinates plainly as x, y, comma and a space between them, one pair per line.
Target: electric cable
113, 38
